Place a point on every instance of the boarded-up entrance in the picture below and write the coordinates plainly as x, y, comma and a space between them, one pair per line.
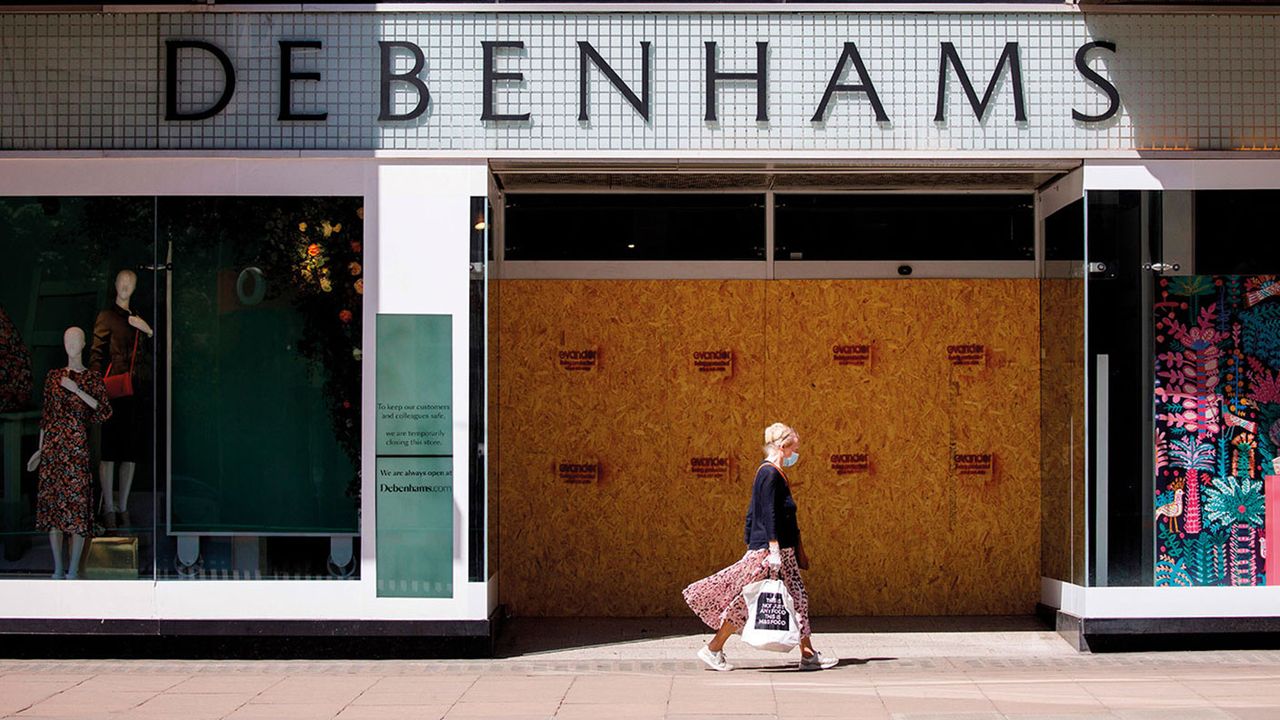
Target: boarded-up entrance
630, 415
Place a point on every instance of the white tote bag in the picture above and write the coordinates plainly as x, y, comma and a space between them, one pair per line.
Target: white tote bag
771, 617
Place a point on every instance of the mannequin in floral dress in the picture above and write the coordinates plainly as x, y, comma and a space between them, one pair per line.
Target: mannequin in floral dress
74, 397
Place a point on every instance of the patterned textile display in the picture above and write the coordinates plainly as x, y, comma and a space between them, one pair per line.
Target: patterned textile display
65, 498
1217, 411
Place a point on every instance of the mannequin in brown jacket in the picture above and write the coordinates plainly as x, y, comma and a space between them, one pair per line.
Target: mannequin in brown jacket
115, 335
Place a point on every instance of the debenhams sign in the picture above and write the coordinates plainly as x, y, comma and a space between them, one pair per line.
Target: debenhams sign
501, 68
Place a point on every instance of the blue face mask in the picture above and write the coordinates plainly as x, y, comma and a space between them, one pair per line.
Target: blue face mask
792, 460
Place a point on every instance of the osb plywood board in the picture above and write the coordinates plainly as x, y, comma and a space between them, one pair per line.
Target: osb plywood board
947, 519
919, 484
640, 413
1062, 429
493, 446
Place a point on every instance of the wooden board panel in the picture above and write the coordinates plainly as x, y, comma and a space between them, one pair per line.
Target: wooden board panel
863, 369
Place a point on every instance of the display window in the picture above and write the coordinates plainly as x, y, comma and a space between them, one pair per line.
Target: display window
214, 345
1184, 325
1216, 395
905, 227
656, 226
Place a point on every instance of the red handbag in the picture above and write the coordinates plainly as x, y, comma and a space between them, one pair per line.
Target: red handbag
121, 384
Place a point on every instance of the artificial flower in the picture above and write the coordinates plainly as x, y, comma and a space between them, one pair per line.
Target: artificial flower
355, 268
325, 285
360, 212
313, 250
302, 227
360, 286
345, 316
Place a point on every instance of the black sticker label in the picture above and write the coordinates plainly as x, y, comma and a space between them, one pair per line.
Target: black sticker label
771, 612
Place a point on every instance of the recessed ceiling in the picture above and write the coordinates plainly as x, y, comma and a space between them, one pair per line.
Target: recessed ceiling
566, 177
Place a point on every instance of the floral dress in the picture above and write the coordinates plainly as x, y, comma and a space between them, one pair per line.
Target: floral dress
65, 498
15, 367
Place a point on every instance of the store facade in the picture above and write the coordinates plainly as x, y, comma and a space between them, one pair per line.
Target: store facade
426, 311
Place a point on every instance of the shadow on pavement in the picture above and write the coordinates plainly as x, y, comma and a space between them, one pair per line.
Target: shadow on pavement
939, 624
844, 662
531, 636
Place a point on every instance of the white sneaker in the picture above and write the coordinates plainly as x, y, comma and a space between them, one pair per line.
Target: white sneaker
714, 660
818, 661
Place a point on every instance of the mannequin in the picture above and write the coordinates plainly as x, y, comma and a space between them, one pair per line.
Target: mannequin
114, 333
74, 397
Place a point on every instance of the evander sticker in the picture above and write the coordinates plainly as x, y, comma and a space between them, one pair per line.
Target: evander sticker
709, 467
977, 464
581, 360
717, 363
853, 355
967, 355
851, 463
578, 472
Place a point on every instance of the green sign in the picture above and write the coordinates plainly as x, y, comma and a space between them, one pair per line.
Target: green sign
415, 385
415, 526
415, 456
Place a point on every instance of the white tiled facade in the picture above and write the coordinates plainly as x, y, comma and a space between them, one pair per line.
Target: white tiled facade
96, 81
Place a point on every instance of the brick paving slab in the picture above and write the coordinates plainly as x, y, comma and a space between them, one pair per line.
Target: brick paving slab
646, 671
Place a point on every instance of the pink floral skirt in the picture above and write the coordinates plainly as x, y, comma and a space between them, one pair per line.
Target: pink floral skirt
718, 598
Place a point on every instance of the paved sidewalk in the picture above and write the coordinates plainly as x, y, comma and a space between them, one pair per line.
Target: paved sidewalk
643, 669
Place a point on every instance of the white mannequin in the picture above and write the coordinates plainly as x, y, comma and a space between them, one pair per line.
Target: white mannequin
126, 283
73, 342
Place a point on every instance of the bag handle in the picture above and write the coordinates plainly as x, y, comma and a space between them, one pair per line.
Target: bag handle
133, 357
775, 466
770, 572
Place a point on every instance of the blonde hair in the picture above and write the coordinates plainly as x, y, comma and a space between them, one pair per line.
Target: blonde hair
778, 436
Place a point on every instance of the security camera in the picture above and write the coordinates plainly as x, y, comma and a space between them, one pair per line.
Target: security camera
904, 270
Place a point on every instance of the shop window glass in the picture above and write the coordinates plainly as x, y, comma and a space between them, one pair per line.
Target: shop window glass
1216, 400
607, 226
1064, 234
72, 266
224, 337
266, 298
1124, 230
477, 471
1230, 227
1062, 497
904, 227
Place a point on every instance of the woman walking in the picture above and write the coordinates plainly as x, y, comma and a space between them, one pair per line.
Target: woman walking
773, 544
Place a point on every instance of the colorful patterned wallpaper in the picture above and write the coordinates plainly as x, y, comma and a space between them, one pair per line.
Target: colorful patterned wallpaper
1217, 408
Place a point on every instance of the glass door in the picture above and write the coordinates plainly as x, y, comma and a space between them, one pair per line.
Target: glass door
1062, 382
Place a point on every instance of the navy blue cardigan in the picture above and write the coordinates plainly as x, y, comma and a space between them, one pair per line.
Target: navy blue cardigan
772, 512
